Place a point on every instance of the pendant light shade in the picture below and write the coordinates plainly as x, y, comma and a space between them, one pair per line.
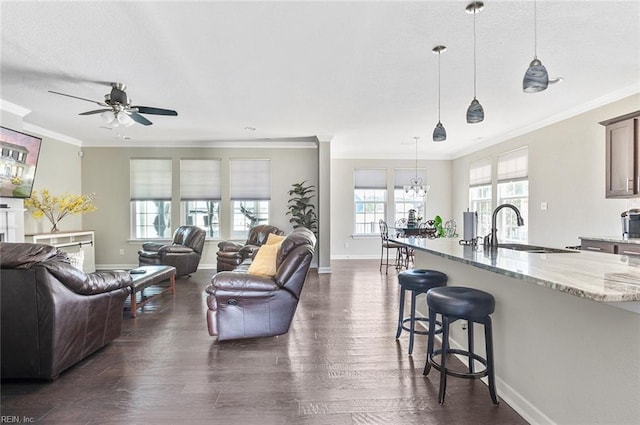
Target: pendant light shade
536, 78
475, 112
439, 133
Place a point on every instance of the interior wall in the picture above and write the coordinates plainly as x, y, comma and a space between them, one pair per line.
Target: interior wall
58, 170
105, 171
567, 171
343, 243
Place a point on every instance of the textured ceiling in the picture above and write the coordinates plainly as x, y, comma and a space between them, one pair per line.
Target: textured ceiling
360, 74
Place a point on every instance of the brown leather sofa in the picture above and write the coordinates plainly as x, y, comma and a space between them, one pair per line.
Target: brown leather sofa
183, 253
54, 315
231, 254
244, 305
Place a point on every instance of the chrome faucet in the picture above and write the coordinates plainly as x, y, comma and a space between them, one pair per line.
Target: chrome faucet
491, 240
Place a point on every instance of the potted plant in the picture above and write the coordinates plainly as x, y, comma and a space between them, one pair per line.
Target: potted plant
301, 209
437, 223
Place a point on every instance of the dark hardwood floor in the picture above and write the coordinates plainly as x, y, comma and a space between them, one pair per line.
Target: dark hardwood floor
339, 364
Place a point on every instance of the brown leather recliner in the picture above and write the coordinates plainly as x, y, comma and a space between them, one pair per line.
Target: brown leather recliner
54, 315
231, 254
183, 253
243, 305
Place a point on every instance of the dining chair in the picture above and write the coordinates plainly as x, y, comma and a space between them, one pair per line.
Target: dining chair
405, 255
387, 245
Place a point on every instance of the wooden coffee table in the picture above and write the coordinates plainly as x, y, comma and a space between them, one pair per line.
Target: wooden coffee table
152, 275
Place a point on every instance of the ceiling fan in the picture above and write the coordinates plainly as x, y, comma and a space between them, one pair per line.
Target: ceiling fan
118, 109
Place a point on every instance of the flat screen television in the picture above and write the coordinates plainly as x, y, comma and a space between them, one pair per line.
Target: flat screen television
18, 161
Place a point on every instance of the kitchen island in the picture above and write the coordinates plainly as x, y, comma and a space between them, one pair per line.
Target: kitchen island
566, 327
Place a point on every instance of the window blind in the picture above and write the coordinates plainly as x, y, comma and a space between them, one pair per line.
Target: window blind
513, 165
403, 176
370, 179
480, 172
150, 179
200, 180
250, 179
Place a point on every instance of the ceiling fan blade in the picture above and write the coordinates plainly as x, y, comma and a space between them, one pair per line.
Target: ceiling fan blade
154, 111
76, 97
97, 111
139, 118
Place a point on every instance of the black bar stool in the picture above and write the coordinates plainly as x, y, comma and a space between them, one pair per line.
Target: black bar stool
475, 306
418, 281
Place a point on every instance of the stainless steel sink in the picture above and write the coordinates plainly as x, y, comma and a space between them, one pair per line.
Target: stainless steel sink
535, 249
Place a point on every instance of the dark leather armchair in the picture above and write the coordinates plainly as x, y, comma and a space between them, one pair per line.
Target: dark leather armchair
231, 254
244, 305
54, 315
183, 253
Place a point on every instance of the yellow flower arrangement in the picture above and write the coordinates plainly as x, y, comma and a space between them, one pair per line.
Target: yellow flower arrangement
55, 208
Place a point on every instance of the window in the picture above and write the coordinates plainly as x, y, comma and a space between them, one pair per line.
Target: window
200, 194
404, 202
480, 194
250, 192
370, 199
150, 189
513, 188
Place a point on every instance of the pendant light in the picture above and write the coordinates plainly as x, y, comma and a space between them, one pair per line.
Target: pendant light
439, 133
475, 112
536, 78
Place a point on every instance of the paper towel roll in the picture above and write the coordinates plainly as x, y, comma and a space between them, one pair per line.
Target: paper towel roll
470, 225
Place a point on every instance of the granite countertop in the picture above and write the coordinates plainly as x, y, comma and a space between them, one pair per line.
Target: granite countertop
598, 277
615, 239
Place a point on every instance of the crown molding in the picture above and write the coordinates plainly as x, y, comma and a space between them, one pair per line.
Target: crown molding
13, 108
52, 134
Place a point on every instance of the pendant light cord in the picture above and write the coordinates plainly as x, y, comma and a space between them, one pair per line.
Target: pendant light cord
535, 30
416, 169
438, 87
474, 52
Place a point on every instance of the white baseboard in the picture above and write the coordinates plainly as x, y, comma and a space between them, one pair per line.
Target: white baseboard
514, 399
356, 257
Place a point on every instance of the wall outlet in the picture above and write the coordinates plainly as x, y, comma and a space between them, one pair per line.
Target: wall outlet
346, 244
543, 206
122, 252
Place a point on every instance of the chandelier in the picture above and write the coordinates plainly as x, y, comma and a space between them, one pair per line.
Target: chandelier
416, 188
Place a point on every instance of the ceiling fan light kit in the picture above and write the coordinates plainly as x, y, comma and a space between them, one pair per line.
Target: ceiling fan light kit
439, 133
475, 112
536, 78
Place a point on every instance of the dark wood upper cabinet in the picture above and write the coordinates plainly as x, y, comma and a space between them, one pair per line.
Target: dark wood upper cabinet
622, 156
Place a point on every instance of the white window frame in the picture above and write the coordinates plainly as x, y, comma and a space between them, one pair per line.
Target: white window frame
513, 188
250, 185
402, 201
480, 193
369, 197
150, 190
200, 194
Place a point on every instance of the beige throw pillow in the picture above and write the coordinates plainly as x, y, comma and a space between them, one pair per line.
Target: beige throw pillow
264, 262
273, 238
